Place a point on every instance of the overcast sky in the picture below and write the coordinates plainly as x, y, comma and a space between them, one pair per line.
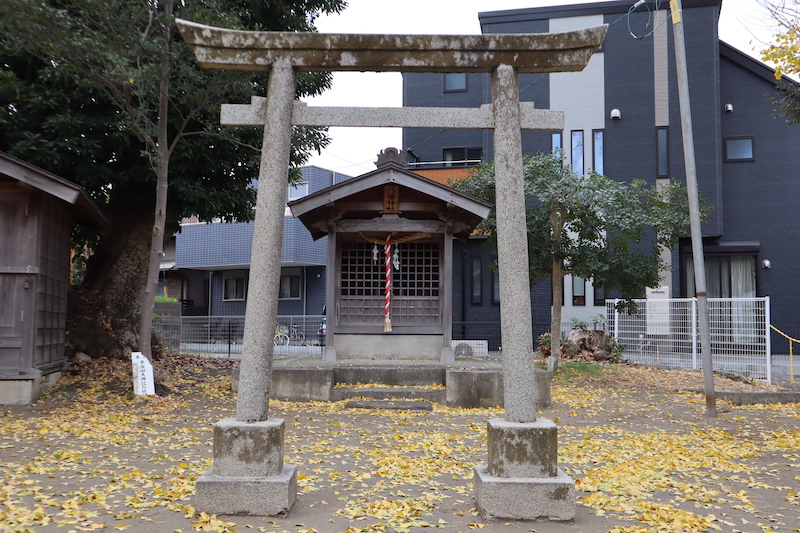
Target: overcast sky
354, 150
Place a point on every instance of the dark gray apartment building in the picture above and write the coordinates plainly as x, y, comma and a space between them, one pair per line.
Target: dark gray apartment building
622, 119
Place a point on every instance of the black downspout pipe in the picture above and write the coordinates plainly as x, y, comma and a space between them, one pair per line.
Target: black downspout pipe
464, 293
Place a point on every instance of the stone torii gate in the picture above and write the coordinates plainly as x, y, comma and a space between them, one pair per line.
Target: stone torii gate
522, 479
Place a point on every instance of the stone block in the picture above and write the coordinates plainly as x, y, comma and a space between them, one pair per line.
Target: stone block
26, 391
550, 498
390, 405
522, 450
296, 384
484, 388
389, 375
543, 394
388, 347
474, 388
302, 384
268, 496
248, 449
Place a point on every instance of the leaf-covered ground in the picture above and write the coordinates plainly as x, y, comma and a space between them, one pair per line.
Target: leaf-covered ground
91, 456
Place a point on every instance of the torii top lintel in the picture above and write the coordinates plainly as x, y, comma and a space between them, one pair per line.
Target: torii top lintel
258, 50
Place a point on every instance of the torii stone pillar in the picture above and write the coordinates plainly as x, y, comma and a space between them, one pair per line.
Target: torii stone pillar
248, 475
522, 479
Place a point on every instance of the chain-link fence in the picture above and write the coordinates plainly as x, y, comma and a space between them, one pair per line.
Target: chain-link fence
665, 333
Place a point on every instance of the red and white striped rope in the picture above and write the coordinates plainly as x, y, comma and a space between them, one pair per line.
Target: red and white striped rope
388, 251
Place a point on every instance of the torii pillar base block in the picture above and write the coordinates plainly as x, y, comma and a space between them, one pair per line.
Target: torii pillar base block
248, 476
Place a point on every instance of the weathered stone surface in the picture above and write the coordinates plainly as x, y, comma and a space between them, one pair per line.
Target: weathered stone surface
389, 375
401, 347
388, 393
474, 388
524, 498
251, 50
302, 384
254, 114
522, 450
22, 392
390, 405
248, 449
255, 380
246, 496
484, 388
543, 392
512, 250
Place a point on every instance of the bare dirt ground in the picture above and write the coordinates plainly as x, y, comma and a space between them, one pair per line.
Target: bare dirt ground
91, 456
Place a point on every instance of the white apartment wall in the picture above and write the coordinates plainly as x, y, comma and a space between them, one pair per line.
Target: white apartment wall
581, 95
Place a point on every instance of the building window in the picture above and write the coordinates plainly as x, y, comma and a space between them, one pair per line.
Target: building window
556, 141
578, 291
599, 296
597, 151
476, 287
462, 157
662, 151
495, 281
298, 190
727, 276
740, 149
455, 82
290, 284
577, 152
234, 286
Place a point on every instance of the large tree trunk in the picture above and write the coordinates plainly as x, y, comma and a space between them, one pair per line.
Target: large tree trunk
102, 312
162, 152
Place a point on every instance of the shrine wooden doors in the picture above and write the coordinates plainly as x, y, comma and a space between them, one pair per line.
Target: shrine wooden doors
416, 284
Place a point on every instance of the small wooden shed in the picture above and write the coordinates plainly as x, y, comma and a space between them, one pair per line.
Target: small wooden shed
419, 218
37, 209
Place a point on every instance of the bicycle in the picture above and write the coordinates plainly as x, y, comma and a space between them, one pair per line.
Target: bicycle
293, 334
296, 335
281, 338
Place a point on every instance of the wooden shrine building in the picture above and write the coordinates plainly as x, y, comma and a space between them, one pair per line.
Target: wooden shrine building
37, 210
395, 301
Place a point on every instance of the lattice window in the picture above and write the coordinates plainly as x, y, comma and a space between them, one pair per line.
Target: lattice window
419, 270
360, 274
418, 275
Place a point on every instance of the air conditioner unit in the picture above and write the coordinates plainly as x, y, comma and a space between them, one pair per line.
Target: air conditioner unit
471, 348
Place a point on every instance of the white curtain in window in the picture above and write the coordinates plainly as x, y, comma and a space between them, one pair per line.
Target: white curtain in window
743, 285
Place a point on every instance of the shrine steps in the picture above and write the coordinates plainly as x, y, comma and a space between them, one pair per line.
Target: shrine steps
467, 383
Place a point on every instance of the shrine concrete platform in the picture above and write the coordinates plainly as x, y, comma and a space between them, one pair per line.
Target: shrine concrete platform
467, 382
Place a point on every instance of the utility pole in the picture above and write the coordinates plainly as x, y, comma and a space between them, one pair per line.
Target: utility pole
694, 207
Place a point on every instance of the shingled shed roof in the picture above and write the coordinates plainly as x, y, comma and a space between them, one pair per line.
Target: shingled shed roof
83, 209
361, 197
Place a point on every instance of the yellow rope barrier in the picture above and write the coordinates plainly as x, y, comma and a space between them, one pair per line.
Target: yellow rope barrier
791, 345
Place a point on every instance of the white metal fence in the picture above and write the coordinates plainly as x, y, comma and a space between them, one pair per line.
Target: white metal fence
222, 335
664, 333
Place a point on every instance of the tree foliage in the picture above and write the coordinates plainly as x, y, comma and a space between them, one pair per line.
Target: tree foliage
590, 226
784, 53
106, 94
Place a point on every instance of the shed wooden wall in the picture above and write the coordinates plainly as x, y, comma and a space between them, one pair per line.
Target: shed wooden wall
52, 284
17, 251
34, 279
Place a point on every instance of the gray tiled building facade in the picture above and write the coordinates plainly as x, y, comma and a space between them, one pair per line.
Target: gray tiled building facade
213, 260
